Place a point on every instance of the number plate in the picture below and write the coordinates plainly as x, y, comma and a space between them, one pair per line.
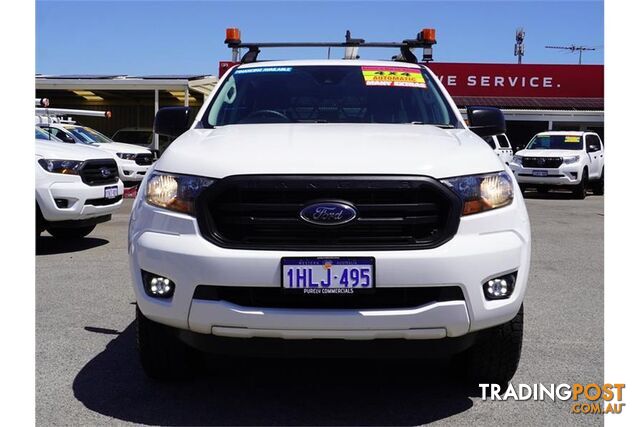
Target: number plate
540, 173
328, 275
111, 192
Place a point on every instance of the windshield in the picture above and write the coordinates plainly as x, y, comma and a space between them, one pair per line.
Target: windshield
329, 94
40, 134
87, 135
555, 142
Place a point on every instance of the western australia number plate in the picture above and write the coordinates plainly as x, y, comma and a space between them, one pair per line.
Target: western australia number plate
328, 275
111, 192
540, 173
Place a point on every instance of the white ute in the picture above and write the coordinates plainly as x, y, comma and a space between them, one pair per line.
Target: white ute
77, 187
133, 161
501, 146
330, 208
561, 159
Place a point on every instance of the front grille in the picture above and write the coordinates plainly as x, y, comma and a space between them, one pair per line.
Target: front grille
263, 212
544, 176
144, 159
278, 298
99, 172
103, 201
541, 162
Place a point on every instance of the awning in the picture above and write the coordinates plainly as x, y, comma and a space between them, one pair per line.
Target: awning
592, 104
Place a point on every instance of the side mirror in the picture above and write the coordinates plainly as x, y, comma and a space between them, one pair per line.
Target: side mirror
486, 121
172, 121
592, 148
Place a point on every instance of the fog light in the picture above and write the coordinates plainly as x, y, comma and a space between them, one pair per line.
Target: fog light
157, 286
499, 287
62, 203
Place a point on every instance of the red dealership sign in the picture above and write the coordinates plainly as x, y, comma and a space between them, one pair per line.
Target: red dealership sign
521, 80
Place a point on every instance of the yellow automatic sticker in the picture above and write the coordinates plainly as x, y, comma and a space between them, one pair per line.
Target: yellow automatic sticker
393, 76
571, 139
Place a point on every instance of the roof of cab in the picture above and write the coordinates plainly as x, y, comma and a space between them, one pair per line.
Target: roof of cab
565, 132
327, 62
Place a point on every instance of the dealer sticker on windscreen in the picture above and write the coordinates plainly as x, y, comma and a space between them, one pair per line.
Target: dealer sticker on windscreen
393, 76
328, 275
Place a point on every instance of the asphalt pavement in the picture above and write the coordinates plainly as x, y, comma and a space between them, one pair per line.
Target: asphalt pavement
88, 373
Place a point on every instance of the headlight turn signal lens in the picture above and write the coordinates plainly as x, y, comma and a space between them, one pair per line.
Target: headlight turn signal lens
481, 193
570, 160
175, 192
67, 167
127, 156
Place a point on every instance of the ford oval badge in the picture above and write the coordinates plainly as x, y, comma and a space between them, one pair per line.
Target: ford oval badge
328, 213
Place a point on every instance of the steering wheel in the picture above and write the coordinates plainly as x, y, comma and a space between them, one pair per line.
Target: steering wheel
265, 112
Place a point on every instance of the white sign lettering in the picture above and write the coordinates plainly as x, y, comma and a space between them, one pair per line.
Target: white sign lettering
499, 81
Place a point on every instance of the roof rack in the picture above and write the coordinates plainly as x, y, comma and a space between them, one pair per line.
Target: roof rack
63, 111
45, 115
425, 39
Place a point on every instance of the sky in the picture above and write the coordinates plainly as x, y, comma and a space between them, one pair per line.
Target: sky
185, 37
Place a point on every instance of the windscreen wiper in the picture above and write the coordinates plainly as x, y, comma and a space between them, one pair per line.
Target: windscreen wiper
440, 125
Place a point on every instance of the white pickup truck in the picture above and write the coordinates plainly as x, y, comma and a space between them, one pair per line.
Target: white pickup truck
330, 207
501, 145
77, 187
133, 161
561, 159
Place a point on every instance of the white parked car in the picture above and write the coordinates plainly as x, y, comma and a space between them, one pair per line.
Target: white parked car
326, 206
501, 145
561, 159
133, 161
77, 187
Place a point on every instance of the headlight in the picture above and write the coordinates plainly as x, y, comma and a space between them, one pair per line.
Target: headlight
175, 192
517, 160
127, 156
570, 160
67, 167
482, 192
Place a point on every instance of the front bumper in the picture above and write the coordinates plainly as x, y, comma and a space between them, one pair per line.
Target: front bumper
327, 348
82, 201
562, 176
487, 245
129, 170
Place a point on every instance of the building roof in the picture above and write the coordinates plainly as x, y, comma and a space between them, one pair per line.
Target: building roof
197, 82
123, 76
592, 104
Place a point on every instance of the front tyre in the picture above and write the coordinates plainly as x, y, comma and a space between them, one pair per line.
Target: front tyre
598, 187
71, 232
162, 355
580, 191
494, 358
39, 221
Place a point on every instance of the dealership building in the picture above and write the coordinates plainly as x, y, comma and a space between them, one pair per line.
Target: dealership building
533, 97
